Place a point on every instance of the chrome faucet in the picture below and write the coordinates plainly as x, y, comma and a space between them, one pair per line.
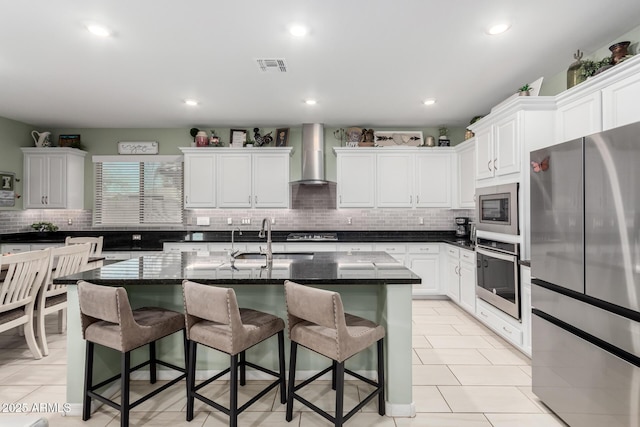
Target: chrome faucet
269, 253
233, 252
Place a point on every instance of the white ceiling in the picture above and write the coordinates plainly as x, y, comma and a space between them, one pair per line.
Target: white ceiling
367, 62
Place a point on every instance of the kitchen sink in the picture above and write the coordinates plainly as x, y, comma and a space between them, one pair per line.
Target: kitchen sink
277, 255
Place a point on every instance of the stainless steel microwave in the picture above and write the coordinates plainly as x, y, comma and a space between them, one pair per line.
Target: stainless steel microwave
498, 208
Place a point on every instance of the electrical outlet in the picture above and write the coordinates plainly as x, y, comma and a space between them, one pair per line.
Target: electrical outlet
421, 221
349, 220
229, 221
273, 221
136, 237
70, 221
246, 221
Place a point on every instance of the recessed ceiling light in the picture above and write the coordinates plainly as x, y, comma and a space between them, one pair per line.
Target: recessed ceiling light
98, 30
191, 102
429, 101
498, 29
298, 30
310, 102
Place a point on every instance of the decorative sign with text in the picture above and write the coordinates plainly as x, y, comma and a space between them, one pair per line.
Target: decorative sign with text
138, 147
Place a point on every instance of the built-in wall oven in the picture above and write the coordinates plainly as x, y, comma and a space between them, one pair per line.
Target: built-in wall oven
497, 208
498, 275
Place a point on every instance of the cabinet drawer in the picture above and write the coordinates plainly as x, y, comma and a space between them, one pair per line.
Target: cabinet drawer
15, 248
492, 319
185, 247
427, 248
454, 252
391, 248
467, 256
355, 247
116, 255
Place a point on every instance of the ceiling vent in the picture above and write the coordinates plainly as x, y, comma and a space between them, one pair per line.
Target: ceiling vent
272, 65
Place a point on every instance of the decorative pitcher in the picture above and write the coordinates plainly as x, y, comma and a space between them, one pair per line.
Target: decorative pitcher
42, 139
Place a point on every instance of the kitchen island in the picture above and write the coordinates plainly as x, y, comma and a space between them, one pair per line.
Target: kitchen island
372, 285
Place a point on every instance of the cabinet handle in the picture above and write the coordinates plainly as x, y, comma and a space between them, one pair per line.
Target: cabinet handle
256, 199
186, 199
482, 313
249, 198
489, 165
495, 167
418, 198
42, 200
456, 270
340, 197
46, 200
507, 330
410, 199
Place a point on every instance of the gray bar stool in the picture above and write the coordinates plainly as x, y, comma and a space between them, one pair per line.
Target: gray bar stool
214, 319
318, 322
107, 320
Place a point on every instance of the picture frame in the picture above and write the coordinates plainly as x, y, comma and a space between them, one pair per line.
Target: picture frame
72, 141
237, 138
7, 192
138, 147
282, 137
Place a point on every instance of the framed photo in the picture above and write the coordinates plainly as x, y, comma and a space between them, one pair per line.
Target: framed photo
7, 194
282, 137
238, 138
137, 147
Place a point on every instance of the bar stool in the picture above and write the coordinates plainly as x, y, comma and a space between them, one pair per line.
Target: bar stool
214, 319
107, 320
318, 322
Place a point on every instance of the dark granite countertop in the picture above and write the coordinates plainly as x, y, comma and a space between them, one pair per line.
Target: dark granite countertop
324, 268
525, 262
154, 240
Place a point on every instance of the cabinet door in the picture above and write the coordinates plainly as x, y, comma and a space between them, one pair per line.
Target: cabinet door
56, 196
200, 181
468, 281
356, 180
35, 170
433, 180
270, 180
484, 153
620, 103
395, 180
579, 118
507, 146
453, 279
428, 268
466, 177
234, 180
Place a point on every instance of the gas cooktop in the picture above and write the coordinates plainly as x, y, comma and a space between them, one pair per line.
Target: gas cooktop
312, 236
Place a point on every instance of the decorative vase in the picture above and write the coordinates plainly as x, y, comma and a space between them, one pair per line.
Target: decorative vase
430, 141
524, 93
574, 72
468, 134
618, 52
202, 139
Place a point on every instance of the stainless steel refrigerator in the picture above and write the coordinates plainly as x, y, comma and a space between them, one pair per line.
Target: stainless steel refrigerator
585, 264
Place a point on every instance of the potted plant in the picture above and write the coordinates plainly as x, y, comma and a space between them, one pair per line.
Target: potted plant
524, 90
44, 227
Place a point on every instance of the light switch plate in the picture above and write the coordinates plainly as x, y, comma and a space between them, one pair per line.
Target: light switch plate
202, 220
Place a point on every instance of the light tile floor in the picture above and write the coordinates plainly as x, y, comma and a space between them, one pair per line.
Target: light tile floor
463, 376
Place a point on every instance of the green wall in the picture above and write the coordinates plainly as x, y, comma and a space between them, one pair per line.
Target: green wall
14, 134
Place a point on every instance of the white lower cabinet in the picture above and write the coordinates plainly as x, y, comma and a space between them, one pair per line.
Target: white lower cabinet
424, 260
503, 324
397, 250
453, 275
461, 277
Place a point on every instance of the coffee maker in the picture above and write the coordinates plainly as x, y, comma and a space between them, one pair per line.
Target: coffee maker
462, 226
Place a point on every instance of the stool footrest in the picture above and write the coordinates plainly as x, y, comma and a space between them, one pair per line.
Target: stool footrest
313, 378
212, 379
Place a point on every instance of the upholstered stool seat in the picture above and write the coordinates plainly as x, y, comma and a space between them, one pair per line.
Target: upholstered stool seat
214, 319
108, 320
318, 322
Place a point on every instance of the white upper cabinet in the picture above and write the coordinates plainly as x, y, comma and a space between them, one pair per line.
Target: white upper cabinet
356, 179
395, 172
236, 178
270, 180
579, 117
199, 180
433, 178
498, 148
395, 177
54, 178
465, 176
620, 102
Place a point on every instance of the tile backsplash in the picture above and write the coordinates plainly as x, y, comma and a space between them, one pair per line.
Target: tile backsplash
306, 216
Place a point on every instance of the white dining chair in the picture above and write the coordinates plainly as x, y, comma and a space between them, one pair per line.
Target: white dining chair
24, 273
96, 243
64, 261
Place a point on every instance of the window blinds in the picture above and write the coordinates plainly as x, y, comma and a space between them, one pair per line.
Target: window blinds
138, 190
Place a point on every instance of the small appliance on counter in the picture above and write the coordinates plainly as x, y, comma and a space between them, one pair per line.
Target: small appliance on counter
462, 226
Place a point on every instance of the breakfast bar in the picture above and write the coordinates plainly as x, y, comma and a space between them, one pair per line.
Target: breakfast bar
372, 285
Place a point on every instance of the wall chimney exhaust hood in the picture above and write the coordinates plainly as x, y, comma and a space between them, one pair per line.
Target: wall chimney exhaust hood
312, 155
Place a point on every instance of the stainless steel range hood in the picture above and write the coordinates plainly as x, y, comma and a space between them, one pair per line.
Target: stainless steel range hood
312, 155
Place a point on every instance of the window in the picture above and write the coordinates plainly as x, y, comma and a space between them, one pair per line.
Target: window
138, 190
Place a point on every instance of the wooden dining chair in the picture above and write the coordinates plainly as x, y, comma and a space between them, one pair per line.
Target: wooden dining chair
96, 244
24, 273
64, 261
